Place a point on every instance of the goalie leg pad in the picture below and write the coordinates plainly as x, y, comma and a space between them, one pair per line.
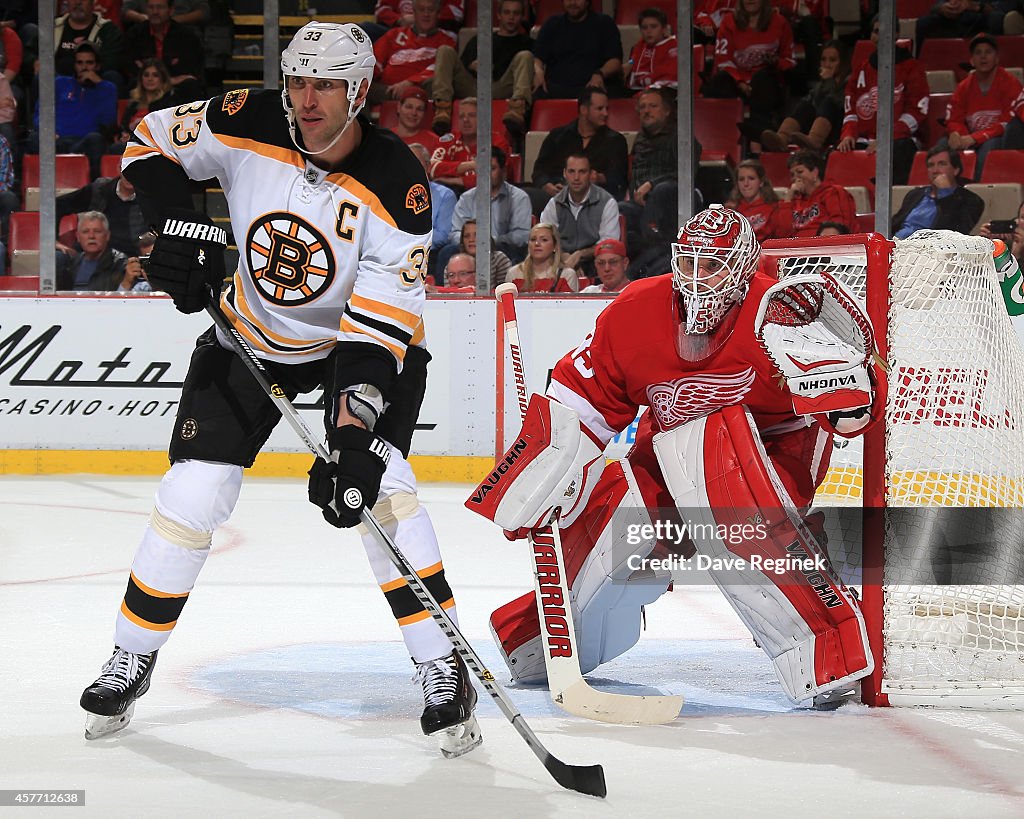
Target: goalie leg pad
607, 594
717, 471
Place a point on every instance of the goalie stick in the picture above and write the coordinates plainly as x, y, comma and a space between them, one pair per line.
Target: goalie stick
588, 779
565, 679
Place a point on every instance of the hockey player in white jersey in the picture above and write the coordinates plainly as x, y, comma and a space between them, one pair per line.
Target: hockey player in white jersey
332, 220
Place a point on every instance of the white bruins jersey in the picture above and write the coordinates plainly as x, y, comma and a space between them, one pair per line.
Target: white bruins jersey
324, 257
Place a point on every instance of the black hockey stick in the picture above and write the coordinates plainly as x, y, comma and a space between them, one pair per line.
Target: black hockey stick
588, 779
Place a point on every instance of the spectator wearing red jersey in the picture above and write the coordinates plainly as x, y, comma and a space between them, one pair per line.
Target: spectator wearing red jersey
412, 111
405, 56
454, 160
652, 62
399, 13
707, 17
754, 197
910, 108
982, 104
813, 201
753, 52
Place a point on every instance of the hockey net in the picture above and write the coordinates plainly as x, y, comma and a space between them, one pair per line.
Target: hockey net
943, 564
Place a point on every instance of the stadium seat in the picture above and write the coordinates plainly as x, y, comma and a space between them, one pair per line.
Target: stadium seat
941, 82
1003, 166
945, 54
1011, 51
514, 168
865, 222
862, 49
122, 106
1001, 200
934, 127
715, 124
110, 165
854, 169
913, 8
549, 114
622, 115
20, 283
776, 168
24, 240
919, 170
72, 172
627, 11
533, 141
546, 8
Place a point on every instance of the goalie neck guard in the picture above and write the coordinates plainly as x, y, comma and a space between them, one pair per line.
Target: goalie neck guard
331, 51
713, 260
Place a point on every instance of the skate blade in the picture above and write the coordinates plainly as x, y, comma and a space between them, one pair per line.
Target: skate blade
832, 700
97, 726
460, 739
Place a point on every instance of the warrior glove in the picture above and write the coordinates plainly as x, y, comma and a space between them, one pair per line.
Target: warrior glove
350, 481
187, 261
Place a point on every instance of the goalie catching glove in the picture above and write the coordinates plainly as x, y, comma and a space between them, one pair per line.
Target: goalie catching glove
552, 464
820, 339
187, 261
350, 481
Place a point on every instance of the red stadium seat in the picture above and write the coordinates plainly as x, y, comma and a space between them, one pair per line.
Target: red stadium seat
866, 222
549, 114
775, 165
627, 11
919, 170
1003, 166
716, 128
110, 165
24, 230
934, 127
543, 9
852, 169
26, 283
514, 168
906, 9
862, 49
122, 106
622, 115
1011, 51
72, 172
945, 54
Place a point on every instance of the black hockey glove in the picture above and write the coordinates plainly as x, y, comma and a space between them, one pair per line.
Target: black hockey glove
187, 261
350, 481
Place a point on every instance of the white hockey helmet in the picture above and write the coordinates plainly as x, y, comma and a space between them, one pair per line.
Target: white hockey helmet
333, 51
713, 260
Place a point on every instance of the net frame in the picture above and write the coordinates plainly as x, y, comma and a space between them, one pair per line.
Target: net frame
934, 622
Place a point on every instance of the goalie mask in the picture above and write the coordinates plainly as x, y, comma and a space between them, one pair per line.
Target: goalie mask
330, 51
713, 260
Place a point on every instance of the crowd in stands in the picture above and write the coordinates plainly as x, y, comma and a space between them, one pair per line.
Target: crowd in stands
576, 204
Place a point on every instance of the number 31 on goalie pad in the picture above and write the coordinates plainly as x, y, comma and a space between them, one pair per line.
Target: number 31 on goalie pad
722, 481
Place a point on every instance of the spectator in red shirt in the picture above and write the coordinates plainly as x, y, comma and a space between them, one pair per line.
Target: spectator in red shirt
454, 160
909, 107
753, 52
652, 62
398, 13
755, 198
405, 56
412, 111
813, 201
982, 104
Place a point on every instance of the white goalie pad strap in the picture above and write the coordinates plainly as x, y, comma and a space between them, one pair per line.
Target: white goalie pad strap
552, 463
782, 585
820, 338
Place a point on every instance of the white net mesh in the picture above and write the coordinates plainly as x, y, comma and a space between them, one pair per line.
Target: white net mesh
953, 620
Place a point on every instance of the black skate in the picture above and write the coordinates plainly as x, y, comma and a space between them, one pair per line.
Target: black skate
110, 700
448, 702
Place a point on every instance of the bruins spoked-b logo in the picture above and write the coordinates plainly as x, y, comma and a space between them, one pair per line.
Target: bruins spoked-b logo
290, 260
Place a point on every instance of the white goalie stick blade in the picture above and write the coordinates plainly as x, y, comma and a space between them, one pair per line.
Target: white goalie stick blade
569, 690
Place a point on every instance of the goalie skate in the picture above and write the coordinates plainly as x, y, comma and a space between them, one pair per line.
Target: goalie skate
110, 701
448, 702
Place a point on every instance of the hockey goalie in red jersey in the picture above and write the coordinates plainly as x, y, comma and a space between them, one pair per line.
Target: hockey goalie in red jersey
746, 379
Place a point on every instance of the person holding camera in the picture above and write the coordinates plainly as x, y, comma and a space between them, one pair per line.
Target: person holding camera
1010, 231
945, 204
